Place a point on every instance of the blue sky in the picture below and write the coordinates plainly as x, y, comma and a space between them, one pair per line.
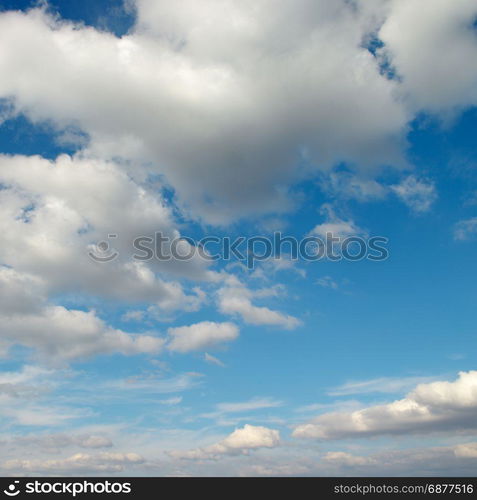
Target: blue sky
222, 119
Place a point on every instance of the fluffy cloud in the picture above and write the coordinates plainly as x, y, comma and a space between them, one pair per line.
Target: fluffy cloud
236, 299
438, 44
335, 225
226, 99
219, 98
437, 406
53, 212
240, 441
201, 336
56, 332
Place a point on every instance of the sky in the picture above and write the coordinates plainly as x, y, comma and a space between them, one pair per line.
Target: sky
238, 119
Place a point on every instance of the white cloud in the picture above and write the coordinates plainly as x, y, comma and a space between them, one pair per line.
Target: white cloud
50, 213
208, 358
335, 225
468, 450
466, 229
240, 441
24, 398
78, 463
221, 98
93, 441
382, 384
201, 336
56, 210
41, 415
348, 185
436, 406
197, 86
252, 404
56, 332
418, 195
435, 58
276, 264
343, 458
436, 461
236, 299
15, 383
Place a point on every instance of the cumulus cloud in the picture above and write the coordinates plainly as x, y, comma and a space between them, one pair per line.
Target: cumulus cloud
218, 100
56, 211
59, 333
51, 213
440, 40
436, 406
70, 334
226, 99
236, 299
240, 442
201, 336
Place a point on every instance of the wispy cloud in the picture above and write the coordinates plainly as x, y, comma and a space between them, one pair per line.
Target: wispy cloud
387, 385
